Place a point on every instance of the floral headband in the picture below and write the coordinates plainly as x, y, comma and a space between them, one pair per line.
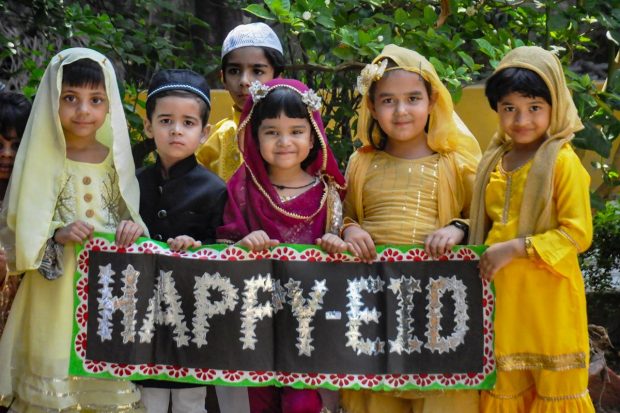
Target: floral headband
369, 74
309, 97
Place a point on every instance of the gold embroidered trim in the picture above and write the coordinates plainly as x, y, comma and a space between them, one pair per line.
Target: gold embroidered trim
509, 396
562, 398
90, 408
529, 361
568, 237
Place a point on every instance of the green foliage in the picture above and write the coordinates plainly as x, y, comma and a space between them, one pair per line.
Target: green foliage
602, 258
330, 40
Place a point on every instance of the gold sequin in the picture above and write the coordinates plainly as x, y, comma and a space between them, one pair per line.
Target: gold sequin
86, 180
90, 213
88, 197
529, 361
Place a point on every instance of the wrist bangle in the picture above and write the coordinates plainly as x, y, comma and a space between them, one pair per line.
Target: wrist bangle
463, 227
530, 252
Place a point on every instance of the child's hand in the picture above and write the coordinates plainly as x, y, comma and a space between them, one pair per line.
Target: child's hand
441, 241
331, 244
497, 256
127, 233
77, 231
258, 241
182, 243
360, 243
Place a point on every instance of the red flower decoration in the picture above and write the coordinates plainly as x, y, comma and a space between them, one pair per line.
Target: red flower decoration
423, 379
473, 379
417, 254
261, 376
81, 315
338, 257
391, 255
82, 288
465, 254
82, 261
287, 378
80, 345
259, 255
396, 380
177, 371
122, 370
313, 379
205, 254
312, 255
283, 254
233, 253
341, 380
447, 379
148, 248
150, 369
93, 366
233, 375
205, 374
96, 244
369, 380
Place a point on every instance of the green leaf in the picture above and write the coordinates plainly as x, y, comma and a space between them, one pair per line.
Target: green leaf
400, 16
344, 52
467, 60
592, 139
259, 11
486, 47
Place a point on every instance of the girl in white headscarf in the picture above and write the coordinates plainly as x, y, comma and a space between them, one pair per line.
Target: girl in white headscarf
73, 175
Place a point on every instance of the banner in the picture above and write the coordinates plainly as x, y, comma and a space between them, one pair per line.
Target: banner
292, 316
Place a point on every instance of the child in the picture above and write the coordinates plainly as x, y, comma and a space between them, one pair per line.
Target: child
73, 175
180, 201
288, 191
250, 52
531, 204
14, 111
410, 183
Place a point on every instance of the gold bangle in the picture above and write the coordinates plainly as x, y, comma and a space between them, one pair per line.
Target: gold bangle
530, 252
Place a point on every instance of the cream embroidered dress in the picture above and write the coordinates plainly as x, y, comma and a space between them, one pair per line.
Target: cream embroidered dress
49, 191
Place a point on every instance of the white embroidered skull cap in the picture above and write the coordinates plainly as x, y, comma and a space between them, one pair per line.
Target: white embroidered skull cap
254, 35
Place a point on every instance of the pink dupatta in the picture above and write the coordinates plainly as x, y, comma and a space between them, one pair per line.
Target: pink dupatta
253, 203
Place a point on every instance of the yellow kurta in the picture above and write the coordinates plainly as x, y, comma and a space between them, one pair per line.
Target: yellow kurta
220, 153
37, 340
398, 201
544, 297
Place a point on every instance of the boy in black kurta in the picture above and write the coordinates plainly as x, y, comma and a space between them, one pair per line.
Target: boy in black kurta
181, 202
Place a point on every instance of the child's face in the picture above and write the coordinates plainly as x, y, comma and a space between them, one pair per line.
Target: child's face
285, 143
8, 150
82, 111
401, 105
245, 65
177, 128
525, 119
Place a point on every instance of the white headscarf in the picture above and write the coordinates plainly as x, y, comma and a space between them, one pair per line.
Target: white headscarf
38, 171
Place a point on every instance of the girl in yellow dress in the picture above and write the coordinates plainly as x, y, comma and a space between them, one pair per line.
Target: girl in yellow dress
73, 175
531, 204
410, 183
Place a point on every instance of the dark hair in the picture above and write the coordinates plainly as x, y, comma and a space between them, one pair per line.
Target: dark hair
83, 73
152, 102
371, 95
515, 79
14, 112
274, 57
283, 100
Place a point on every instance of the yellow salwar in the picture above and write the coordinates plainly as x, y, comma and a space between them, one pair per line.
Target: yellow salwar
401, 201
36, 343
542, 364
220, 153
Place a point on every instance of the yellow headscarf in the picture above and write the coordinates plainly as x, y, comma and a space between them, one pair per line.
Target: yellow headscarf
447, 135
39, 166
535, 212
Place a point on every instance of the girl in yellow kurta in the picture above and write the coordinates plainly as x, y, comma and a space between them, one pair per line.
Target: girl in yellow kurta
73, 175
531, 205
408, 186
